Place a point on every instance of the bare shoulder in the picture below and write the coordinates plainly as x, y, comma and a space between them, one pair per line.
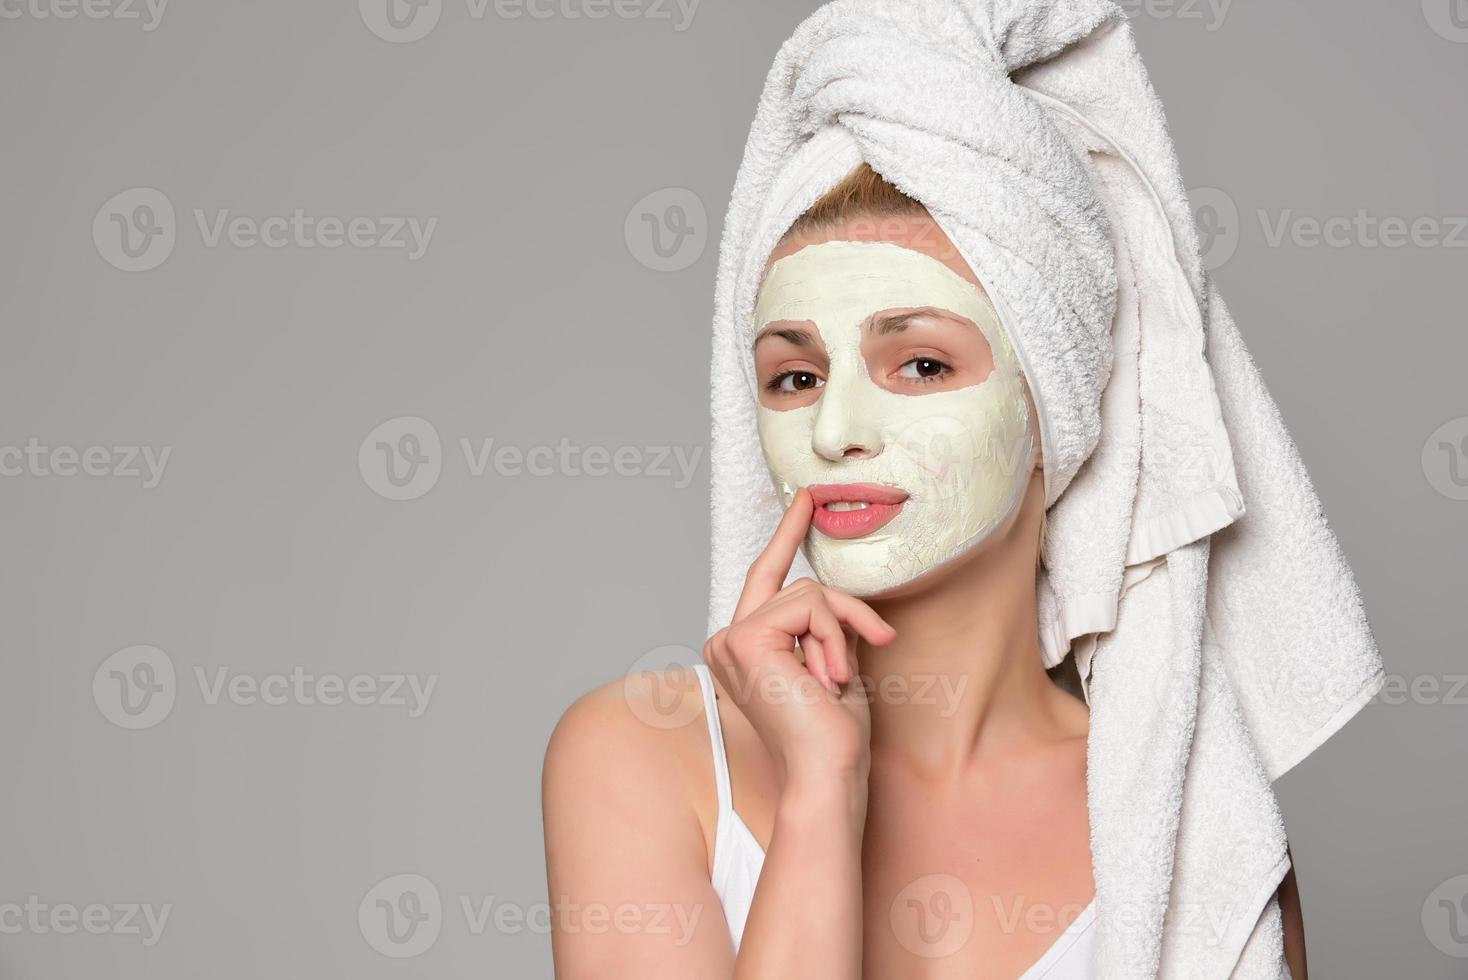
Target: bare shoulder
627, 830
643, 710
632, 740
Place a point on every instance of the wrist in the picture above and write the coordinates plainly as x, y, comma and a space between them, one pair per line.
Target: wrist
825, 772
824, 801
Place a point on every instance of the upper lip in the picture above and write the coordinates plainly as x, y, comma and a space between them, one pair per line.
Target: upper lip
871, 493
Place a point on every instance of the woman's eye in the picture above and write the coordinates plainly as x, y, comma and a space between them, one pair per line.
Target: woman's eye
793, 382
923, 369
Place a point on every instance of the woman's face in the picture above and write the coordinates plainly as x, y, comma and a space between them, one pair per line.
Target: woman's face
888, 387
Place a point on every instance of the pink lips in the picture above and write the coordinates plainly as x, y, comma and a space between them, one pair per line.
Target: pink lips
883, 503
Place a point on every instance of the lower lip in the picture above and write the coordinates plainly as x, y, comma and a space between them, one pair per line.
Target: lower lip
853, 523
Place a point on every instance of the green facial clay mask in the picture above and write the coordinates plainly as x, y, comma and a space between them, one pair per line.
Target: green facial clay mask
962, 455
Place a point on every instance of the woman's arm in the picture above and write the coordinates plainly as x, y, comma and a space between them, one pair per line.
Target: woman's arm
807, 913
621, 828
1294, 921
625, 856
628, 866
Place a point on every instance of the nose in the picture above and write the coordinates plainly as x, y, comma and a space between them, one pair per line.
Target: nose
845, 426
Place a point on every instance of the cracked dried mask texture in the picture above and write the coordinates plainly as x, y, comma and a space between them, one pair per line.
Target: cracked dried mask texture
963, 455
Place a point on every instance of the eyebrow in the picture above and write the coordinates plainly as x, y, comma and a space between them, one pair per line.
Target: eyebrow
879, 326
799, 336
897, 322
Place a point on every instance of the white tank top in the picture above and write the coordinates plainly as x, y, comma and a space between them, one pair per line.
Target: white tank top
738, 858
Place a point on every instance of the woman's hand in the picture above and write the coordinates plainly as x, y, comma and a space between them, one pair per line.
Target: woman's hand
813, 727
621, 828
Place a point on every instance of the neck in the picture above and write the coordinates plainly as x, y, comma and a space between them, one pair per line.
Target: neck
964, 680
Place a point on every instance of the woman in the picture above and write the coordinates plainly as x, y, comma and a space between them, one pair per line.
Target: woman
888, 781
857, 793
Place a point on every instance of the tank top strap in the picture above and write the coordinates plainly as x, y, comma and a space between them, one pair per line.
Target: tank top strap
716, 738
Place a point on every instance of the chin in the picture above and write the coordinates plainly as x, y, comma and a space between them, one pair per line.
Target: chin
889, 569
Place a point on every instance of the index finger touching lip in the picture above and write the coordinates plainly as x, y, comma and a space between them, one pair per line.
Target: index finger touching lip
767, 573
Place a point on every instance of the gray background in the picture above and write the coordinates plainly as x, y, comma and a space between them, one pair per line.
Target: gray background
535, 317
